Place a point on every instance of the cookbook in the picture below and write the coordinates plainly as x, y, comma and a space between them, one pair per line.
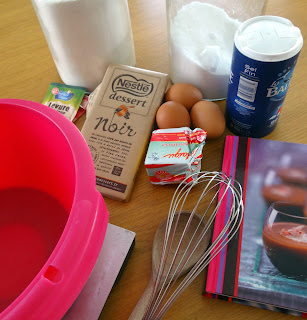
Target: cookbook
265, 264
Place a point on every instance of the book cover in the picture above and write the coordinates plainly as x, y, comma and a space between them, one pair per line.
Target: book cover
251, 269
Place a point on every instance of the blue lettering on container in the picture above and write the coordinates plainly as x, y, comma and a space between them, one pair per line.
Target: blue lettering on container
256, 94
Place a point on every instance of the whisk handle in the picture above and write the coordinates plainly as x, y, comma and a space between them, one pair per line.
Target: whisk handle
140, 309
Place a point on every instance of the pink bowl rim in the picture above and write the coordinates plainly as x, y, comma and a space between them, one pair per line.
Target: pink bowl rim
93, 230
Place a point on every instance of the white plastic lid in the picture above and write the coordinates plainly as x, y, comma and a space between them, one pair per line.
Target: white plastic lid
268, 38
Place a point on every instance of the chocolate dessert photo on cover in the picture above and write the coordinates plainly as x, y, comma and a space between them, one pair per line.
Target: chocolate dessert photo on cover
266, 263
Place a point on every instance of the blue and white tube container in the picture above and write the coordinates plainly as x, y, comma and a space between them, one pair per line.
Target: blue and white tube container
265, 53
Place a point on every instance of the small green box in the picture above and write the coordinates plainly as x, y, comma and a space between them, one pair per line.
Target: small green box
65, 99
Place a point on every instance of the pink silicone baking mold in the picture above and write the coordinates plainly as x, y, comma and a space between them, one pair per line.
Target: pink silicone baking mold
52, 218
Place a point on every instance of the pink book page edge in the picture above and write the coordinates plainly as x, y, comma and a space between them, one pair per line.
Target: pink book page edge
214, 266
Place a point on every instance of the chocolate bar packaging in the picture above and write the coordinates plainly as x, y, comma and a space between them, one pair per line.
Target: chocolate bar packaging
121, 115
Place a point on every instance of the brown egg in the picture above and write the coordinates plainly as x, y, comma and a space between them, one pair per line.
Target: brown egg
208, 116
172, 114
184, 93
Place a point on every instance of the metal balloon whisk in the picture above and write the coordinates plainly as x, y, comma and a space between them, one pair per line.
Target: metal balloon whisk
215, 187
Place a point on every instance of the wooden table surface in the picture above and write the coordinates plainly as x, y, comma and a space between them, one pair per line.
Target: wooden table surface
27, 69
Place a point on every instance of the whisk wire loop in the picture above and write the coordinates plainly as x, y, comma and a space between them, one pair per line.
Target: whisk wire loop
227, 189
190, 248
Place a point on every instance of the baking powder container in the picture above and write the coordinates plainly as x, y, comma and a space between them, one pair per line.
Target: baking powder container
265, 53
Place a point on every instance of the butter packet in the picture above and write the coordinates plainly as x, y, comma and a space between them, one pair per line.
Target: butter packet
174, 154
65, 99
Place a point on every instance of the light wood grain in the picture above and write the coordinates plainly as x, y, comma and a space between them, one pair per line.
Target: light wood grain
26, 71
